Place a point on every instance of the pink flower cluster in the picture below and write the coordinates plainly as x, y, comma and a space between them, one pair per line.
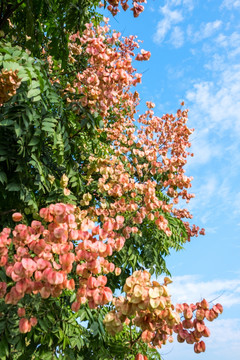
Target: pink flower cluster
197, 324
143, 165
148, 305
113, 6
158, 150
106, 82
9, 83
42, 258
25, 324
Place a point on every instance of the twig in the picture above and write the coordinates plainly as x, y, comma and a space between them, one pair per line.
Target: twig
136, 340
2, 213
9, 12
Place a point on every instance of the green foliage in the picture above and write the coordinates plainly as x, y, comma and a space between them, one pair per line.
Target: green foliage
38, 139
35, 23
42, 137
58, 330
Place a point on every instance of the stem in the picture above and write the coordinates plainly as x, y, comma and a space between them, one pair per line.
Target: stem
133, 342
72, 136
10, 10
2, 213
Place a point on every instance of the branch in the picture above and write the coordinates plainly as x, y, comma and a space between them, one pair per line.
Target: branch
133, 342
72, 136
9, 12
2, 213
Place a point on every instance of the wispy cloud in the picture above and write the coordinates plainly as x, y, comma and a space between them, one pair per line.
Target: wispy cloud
206, 30
177, 37
170, 18
204, 149
230, 4
218, 104
230, 43
175, 12
191, 288
188, 4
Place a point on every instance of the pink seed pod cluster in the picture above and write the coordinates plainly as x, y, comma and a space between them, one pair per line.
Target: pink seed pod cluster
105, 83
25, 325
43, 256
192, 329
140, 357
158, 149
114, 5
149, 306
127, 177
9, 83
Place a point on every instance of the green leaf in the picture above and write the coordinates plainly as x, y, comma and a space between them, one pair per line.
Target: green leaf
6, 122
48, 126
13, 187
33, 92
4, 349
94, 328
44, 324
37, 98
34, 141
3, 177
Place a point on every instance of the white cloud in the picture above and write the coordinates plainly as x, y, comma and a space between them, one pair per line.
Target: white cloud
236, 204
217, 105
216, 63
177, 37
206, 31
189, 4
230, 4
203, 148
173, 13
190, 288
228, 333
230, 43
170, 17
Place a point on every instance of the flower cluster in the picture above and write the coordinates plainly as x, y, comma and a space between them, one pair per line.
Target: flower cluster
9, 83
25, 324
148, 306
113, 6
69, 253
106, 81
144, 172
199, 329
144, 176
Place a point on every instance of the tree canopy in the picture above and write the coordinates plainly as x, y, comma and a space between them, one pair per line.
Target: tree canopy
95, 187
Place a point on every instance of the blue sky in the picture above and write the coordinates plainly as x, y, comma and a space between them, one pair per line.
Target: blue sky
195, 48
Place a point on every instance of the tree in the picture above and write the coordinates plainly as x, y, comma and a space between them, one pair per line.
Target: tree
95, 188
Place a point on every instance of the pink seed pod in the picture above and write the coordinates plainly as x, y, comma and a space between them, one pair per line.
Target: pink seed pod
33, 321
17, 217
117, 271
21, 312
24, 326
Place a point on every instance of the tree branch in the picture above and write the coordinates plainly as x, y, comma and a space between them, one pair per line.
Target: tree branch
10, 10
2, 213
136, 340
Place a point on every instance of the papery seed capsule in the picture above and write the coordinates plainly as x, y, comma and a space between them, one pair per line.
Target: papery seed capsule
17, 217
21, 312
24, 326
